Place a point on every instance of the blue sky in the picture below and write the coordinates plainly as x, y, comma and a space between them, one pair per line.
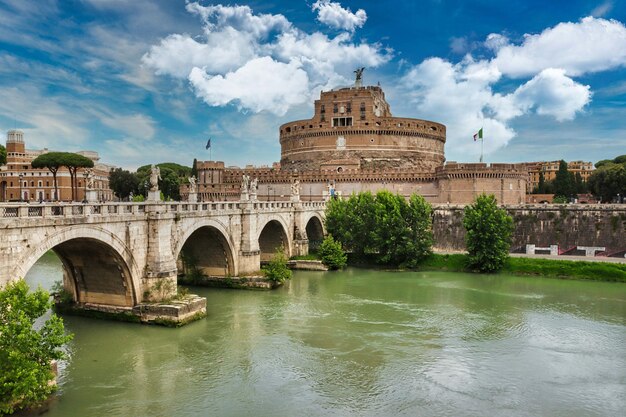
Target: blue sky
144, 81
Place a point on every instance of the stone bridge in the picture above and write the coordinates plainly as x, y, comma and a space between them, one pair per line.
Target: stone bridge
122, 254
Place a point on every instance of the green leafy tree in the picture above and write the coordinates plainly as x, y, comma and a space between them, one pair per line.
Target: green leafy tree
73, 162
391, 234
26, 352
332, 254
3, 155
581, 185
123, 183
384, 227
53, 161
194, 168
488, 237
276, 270
419, 220
541, 186
608, 181
564, 181
172, 176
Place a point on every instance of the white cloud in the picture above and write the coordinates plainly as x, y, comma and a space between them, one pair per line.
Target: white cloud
461, 96
602, 9
591, 45
259, 62
496, 41
43, 117
136, 125
332, 14
553, 94
261, 84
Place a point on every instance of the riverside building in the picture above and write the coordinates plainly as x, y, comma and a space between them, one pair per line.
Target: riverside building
19, 181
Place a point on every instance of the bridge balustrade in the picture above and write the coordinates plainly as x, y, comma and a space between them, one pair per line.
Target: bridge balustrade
9, 211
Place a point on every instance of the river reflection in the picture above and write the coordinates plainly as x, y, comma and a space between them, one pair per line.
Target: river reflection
361, 343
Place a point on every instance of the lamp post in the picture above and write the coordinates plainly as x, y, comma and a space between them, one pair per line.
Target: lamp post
21, 177
86, 175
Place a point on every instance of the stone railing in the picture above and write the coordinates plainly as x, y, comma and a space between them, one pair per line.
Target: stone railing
58, 210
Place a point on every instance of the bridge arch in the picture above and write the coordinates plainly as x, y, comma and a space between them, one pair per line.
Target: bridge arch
98, 268
315, 231
207, 246
273, 234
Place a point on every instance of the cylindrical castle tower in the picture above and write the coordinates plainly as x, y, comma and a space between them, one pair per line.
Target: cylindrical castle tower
353, 129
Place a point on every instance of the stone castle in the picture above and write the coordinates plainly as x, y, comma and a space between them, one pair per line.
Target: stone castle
353, 143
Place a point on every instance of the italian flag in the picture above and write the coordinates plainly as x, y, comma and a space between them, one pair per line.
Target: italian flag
478, 135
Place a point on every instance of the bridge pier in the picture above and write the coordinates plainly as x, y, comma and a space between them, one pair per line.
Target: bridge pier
159, 281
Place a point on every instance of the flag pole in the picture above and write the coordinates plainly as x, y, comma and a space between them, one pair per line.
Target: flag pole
482, 141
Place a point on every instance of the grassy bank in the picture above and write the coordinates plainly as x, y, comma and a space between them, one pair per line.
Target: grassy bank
595, 271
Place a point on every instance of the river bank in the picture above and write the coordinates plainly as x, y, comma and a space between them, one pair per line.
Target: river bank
551, 268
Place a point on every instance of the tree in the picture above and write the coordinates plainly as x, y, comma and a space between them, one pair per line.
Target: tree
608, 181
73, 162
563, 182
384, 227
419, 219
53, 161
3, 155
172, 176
580, 184
541, 187
332, 254
391, 235
194, 168
26, 352
276, 270
352, 222
488, 234
123, 182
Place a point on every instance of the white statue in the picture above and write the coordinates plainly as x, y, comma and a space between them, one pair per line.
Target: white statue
192, 184
253, 187
295, 187
155, 176
245, 181
90, 179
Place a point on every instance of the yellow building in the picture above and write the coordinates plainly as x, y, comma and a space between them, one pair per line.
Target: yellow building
549, 169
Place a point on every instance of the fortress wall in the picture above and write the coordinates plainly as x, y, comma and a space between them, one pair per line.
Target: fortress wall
543, 225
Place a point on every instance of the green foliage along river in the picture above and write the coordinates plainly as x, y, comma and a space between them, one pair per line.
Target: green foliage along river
360, 343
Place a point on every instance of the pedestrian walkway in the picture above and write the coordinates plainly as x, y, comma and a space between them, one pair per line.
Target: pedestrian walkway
552, 257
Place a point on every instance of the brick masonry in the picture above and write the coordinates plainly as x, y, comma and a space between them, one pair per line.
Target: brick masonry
543, 225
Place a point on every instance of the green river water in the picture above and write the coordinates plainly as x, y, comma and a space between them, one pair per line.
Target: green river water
360, 343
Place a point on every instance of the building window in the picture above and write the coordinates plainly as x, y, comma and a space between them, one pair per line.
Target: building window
362, 106
335, 109
342, 121
32, 183
322, 109
39, 183
349, 108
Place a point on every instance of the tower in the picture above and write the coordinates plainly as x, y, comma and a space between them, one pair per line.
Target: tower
15, 142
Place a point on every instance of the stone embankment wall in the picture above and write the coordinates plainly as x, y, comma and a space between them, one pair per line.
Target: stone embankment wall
543, 225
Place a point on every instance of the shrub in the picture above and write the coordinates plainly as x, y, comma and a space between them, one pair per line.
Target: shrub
25, 352
276, 270
332, 254
488, 237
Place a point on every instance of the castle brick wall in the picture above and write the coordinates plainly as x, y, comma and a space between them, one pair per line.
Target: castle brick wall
543, 225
